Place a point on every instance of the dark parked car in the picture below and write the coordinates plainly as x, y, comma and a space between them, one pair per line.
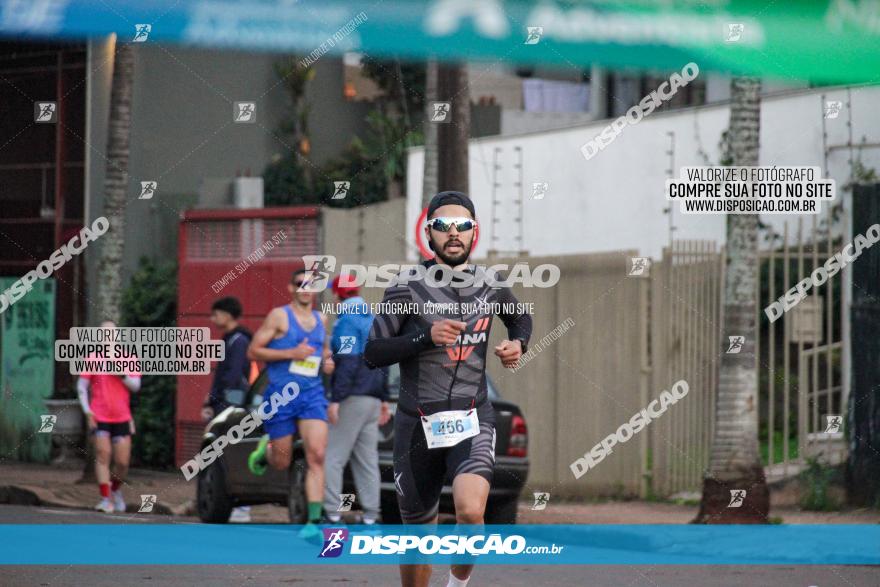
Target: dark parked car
228, 483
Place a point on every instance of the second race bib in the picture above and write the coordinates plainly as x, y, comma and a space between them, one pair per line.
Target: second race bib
445, 429
307, 367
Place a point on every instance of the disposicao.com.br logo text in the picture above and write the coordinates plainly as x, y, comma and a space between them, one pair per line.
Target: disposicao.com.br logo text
453, 544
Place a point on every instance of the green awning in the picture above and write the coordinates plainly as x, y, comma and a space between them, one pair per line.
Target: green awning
823, 41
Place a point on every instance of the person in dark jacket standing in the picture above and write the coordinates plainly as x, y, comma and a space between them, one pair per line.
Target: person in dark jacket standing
359, 405
232, 372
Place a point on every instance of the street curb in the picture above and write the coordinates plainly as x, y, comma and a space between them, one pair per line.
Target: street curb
29, 495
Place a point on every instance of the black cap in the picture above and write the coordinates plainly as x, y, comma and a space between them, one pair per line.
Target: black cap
451, 198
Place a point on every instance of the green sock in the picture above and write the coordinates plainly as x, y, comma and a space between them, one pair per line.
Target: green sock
257, 459
316, 509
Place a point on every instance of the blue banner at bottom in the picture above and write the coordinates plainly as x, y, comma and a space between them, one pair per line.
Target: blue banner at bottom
255, 544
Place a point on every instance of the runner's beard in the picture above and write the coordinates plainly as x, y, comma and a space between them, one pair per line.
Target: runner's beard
453, 260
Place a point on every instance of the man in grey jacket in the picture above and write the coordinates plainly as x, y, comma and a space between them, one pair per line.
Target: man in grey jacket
359, 405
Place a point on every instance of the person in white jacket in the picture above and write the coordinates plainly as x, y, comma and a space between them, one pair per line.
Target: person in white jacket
106, 402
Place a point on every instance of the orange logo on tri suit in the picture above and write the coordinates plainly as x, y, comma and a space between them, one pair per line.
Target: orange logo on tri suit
458, 353
462, 348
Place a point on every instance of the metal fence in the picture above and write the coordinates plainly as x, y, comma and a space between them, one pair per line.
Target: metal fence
799, 357
579, 388
686, 288
801, 395
634, 336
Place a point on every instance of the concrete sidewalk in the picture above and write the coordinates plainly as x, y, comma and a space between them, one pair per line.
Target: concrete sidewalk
56, 485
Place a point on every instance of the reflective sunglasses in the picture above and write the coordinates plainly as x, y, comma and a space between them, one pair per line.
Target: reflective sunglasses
444, 223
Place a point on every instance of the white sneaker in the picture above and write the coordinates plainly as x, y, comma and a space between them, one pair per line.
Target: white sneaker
241, 514
105, 505
118, 501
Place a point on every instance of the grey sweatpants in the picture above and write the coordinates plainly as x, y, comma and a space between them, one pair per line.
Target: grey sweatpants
355, 436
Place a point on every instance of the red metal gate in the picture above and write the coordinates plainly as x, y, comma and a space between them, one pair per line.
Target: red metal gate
225, 253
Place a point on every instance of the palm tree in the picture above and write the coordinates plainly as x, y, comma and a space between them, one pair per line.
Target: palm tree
429, 175
116, 184
452, 138
109, 278
735, 463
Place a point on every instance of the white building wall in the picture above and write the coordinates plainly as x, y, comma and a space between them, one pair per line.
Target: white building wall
616, 199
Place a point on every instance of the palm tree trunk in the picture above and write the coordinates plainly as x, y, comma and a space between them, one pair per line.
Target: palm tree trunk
116, 184
452, 138
429, 174
735, 463
109, 279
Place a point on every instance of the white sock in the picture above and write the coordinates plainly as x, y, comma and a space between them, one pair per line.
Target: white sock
456, 582
334, 518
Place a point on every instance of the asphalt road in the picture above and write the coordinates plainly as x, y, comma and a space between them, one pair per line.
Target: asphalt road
376, 575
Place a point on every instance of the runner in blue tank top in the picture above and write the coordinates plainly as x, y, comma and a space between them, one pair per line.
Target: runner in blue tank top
304, 373
293, 343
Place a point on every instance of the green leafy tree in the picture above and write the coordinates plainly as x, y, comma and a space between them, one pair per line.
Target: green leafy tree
368, 185
289, 178
375, 163
151, 300
392, 128
371, 164
402, 83
286, 183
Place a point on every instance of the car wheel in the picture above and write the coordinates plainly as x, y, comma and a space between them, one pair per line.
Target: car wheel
501, 511
297, 506
213, 502
390, 509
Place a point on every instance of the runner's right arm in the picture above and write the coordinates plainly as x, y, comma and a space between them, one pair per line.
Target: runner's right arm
386, 345
257, 350
82, 390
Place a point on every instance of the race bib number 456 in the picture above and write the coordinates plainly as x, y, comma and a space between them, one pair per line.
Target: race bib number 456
445, 429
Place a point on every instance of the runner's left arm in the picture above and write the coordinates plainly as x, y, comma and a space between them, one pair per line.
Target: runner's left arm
132, 382
519, 324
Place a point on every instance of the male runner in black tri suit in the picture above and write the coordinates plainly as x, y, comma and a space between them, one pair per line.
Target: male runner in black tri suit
442, 358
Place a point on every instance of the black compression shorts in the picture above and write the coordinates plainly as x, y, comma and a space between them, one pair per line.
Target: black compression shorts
115, 430
420, 472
